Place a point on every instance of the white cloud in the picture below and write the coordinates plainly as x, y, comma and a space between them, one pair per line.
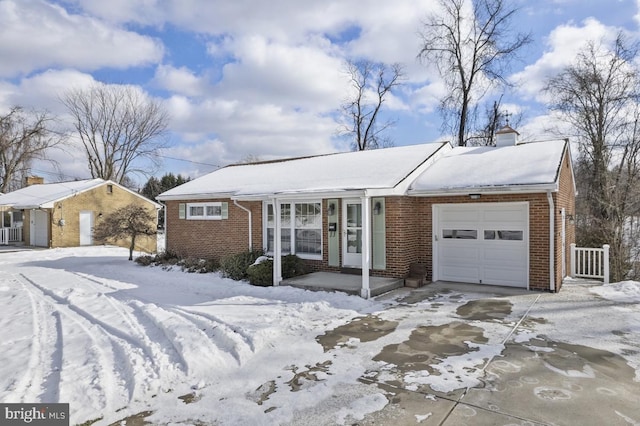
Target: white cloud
300, 76
563, 43
35, 34
239, 129
119, 11
180, 81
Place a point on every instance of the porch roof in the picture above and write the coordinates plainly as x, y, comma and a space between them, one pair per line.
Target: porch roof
332, 173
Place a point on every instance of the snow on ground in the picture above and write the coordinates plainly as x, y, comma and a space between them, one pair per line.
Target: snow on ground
623, 292
114, 339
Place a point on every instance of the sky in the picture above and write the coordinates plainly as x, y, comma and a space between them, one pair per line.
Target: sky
254, 79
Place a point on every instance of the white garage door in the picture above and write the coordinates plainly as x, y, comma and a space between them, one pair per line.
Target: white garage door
484, 243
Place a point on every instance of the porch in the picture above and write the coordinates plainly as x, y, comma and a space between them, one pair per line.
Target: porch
10, 235
345, 283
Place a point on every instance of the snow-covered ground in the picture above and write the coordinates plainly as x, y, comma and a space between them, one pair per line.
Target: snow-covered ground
114, 339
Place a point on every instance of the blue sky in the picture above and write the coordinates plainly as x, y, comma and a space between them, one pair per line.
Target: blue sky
264, 79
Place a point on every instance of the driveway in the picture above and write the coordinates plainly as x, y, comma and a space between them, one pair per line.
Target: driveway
552, 367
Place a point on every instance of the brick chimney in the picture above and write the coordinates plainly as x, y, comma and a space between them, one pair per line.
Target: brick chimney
506, 136
33, 180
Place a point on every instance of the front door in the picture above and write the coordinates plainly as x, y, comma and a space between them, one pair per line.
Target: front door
86, 228
352, 233
39, 229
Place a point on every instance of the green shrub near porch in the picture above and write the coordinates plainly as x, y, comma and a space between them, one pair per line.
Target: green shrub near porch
261, 274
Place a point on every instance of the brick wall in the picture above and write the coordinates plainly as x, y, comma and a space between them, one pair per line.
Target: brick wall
98, 200
565, 198
213, 239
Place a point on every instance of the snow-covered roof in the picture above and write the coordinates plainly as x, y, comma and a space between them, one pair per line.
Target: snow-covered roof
375, 169
534, 164
44, 195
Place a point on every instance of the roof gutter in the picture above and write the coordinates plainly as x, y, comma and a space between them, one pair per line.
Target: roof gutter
497, 190
235, 202
200, 196
552, 211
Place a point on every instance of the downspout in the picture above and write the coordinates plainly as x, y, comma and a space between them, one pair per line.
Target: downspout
235, 202
365, 290
552, 211
277, 243
164, 222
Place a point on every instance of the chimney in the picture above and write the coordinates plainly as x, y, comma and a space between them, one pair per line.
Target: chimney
33, 180
506, 136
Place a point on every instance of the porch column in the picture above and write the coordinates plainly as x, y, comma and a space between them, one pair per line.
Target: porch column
277, 244
365, 291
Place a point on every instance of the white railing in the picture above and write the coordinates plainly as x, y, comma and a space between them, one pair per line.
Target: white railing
589, 262
10, 235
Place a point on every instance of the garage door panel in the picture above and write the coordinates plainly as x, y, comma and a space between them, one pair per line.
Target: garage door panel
505, 255
498, 256
503, 216
511, 277
452, 253
468, 274
462, 215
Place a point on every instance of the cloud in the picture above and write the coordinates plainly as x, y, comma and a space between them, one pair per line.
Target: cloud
239, 129
35, 35
181, 81
563, 43
305, 76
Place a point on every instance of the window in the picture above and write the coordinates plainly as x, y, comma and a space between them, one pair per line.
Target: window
301, 229
206, 211
504, 235
109, 189
285, 239
466, 234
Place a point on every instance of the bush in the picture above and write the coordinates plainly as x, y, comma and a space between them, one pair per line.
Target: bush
292, 266
169, 259
145, 260
235, 266
261, 274
201, 266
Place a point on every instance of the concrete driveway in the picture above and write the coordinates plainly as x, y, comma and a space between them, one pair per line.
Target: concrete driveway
564, 359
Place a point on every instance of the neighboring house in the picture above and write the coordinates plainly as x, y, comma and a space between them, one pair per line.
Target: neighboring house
64, 214
488, 215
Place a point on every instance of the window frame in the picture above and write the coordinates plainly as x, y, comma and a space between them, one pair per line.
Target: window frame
204, 215
291, 226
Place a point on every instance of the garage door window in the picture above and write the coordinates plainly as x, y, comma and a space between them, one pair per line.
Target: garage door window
466, 234
503, 235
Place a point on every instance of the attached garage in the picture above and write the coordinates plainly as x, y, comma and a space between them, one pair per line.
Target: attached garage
482, 243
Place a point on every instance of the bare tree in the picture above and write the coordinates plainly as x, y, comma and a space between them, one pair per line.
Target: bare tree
121, 129
495, 117
371, 83
24, 137
128, 222
472, 48
598, 96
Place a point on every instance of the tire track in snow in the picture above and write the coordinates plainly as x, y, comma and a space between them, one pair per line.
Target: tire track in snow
165, 360
224, 336
35, 384
198, 352
145, 363
107, 390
